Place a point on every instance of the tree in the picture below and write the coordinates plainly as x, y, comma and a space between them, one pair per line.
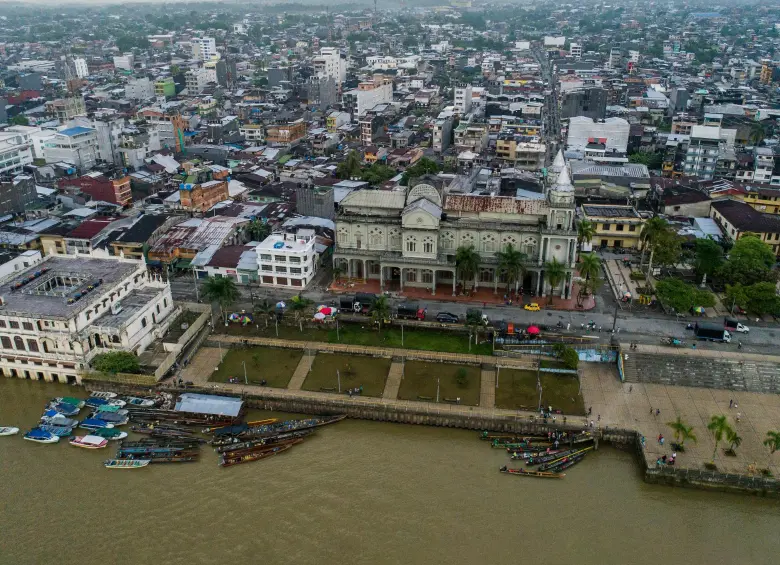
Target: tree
511, 264
718, 427
20, 120
570, 358
761, 298
378, 173
757, 133
772, 441
116, 362
350, 167
175, 70
222, 290
708, 257
590, 265
265, 309
682, 431
666, 249
461, 377
258, 230
424, 166
682, 296
555, 271
735, 296
750, 261
467, 262
380, 311
651, 230
338, 272
585, 232
734, 440
298, 304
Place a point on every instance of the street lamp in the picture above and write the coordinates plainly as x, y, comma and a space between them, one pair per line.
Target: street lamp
246, 382
437, 389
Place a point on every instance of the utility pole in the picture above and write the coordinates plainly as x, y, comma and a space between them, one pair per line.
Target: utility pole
338, 379
197, 297
614, 319
246, 382
437, 389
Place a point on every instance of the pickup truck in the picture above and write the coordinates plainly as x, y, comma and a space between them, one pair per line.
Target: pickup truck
711, 332
732, 324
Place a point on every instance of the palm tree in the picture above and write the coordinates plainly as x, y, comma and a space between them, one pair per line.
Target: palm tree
719, 427
258, 230
266, 310
380, 311
651, 231
338, 272
585, 232
298, 304
467, 261
222, 290
350, 167
757, 133
555, 271
734, 440
772, 441
590, 265
511, 264
682, 432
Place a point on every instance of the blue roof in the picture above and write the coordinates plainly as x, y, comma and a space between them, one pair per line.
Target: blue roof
75, 131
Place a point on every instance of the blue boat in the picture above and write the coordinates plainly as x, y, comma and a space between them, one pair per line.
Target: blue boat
59, 431
94, 402
64, 408
54, 418
94, 424
40, 436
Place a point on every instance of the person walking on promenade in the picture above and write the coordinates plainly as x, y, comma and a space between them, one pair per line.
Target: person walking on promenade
731, 403
739, 416
651, 410
657, 411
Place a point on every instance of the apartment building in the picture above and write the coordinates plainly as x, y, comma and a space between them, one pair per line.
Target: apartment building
17, 194
616, 226
65, 109
252, 133
80, 66
76, 145
703, 150
165, 87
463, 99
330, 63
204, 48
196, 81
168, 122
115, 190
140, 89
521, 151
16, 151
287, 260
367, 95
471, 136
285, 134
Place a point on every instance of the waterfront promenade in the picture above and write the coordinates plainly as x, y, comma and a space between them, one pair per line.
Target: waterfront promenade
623, 406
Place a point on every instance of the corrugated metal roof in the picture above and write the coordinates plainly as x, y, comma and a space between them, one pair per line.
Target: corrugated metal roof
209, 404
374, 199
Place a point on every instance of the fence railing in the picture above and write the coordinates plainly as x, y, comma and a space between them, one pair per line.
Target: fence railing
716, 478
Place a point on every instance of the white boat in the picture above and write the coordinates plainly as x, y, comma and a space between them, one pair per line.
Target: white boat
100, 394
89, 442
40, 436
143, 402
8, 431
126, 463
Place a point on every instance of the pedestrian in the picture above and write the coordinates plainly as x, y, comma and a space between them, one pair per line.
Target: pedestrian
674, 455
568, 325
564, 420
590, 410
738, 416
657, 411
731, 403
657, 462
651, 410
739, 345
663, 459
662, 440
660, 437
736, 405
599, 418
630, 388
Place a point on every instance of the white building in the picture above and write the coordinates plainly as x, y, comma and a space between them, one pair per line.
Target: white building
463, 98
77, 145
613, 132
108, 126
204, 48
381, 62
140, 89
15, 151
367, 95
253, 133
126, 62
330, 63
523, 45
196, 81
554, 41
27, 259
75, 308
81, 67
287, 260
575, 50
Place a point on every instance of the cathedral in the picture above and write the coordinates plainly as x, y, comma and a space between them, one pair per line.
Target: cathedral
409, 238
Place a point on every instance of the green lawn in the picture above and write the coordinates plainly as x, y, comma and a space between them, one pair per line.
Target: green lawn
364, 334
355, 371
420, 380
276, 366
517, 391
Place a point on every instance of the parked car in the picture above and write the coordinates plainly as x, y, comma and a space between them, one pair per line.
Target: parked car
532, 307
447, 318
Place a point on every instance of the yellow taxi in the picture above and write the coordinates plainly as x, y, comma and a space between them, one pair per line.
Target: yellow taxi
532, 307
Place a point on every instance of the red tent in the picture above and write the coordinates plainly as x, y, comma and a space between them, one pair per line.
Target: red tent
533, 330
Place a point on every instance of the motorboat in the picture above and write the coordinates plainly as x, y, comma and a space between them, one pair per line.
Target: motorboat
78, 402
96, 402
40, 436
111, 434
89, 442
101, 394
8, 431
54, 418
142, 402
59, 431
64, 408
126, 463
95, 424
112, 418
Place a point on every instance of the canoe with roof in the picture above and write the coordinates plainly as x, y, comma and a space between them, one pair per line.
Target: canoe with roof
95, 424
40, 436
527, 473
125, 463
89, 442
8, 431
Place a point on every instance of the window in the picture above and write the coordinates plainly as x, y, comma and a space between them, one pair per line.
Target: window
19, 343
267, 267
280, 258
281, 269
6, 341
158, 308
143, 322
427, 276
295, 270
632, 228
268, 280
2, 324
411, 245
265, 257
605, 227
619, 227
165, 302
32, 345
411, 275
295, 260
428, 247
14, 325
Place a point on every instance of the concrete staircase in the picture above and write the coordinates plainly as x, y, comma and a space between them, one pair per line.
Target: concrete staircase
706, 372
394, 377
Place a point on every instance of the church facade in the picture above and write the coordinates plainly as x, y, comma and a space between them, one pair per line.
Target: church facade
410, 238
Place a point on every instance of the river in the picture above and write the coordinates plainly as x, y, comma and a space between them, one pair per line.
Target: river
356, 492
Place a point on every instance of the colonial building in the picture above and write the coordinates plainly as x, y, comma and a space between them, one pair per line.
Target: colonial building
410, 237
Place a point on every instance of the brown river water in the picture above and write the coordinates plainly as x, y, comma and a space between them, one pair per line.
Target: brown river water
356, 492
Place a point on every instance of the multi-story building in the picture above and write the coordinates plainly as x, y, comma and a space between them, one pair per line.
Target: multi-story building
204, 48
200, 197
196, 81
336, 119
442, 130
764, 165
463, 99
737, 218
115, 190
16, 151
411, 237
253, 133
168, 122
140, 89
76, 145
471, 136
165, 87
108, 126
367, 95
575, 50
125, 62
331, 63
521, 151
287, 260
17, 194
58, 314
703, 150
588, 102
80, 66
612, 133
65, 109
615, 226
285, 134
136, 144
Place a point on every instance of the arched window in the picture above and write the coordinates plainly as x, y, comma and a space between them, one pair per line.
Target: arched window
489, 243
19, 343
411, 244
447, 240
428, 244
143, 322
